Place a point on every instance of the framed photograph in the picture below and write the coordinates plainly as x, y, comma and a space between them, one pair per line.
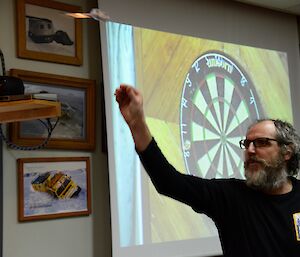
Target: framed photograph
75, 128
51, 188
45, 33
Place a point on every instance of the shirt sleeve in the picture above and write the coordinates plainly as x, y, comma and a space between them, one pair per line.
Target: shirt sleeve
206, 196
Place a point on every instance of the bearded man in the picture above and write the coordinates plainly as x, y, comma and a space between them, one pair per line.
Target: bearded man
269, 158
256, 217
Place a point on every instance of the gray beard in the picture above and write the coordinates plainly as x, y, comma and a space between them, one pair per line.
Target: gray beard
271, 177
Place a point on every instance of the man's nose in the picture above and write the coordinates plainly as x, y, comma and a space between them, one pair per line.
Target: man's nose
251, 148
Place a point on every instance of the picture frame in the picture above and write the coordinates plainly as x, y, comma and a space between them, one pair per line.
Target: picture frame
45, 33
50, 188
75, 128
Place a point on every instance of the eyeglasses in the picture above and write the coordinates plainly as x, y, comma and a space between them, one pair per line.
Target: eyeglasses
257, 142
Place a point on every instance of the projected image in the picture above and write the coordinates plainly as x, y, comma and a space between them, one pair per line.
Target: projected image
199, 98
217, 104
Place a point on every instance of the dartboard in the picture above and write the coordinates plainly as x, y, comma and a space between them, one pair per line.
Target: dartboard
218, 103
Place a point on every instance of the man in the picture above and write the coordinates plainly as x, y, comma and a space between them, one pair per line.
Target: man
255, 218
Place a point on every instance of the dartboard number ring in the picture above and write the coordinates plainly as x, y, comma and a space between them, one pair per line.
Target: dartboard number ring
218, 103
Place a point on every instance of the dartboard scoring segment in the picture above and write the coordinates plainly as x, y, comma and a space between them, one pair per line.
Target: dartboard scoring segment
217, 105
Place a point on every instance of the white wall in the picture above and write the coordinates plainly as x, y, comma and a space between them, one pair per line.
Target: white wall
68, 237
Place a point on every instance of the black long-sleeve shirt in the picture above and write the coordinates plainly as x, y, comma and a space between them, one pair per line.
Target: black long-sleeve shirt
250, 223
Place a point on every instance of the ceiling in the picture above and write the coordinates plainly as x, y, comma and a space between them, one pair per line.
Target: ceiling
288, 6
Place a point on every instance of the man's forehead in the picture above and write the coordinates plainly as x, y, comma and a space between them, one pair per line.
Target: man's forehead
266, 128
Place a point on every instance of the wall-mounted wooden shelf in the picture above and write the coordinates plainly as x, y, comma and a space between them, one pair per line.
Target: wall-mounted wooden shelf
30, 109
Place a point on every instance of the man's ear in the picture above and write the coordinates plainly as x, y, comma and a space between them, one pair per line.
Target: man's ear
288, 151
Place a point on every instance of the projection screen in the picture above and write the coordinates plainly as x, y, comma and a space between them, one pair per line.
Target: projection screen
199, 98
